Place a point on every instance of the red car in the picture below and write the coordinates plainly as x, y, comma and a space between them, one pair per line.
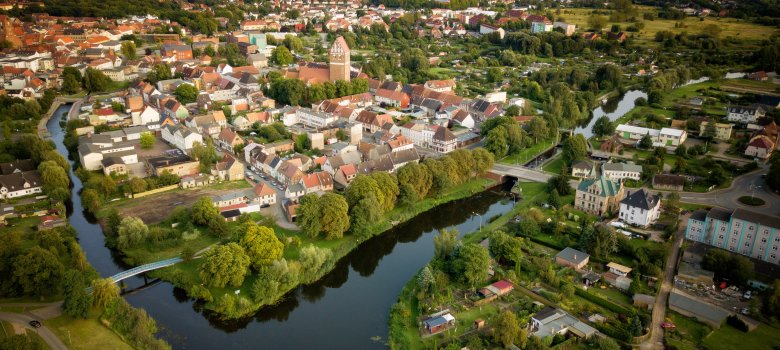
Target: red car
668, 325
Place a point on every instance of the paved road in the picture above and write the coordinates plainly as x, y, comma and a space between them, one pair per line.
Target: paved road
44, 332
745, 185
656, 340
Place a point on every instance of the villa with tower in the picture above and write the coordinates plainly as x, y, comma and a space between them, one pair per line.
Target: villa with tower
339, 67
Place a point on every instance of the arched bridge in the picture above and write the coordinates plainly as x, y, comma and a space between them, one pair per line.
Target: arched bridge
145, 268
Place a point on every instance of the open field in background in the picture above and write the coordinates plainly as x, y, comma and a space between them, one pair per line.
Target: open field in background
730, 27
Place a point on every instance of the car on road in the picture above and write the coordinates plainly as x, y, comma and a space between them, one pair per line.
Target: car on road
35, 324
668, 325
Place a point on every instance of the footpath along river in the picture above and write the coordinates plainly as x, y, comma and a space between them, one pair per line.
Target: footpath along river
346, 309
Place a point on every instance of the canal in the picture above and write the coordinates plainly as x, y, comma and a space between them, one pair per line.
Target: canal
346, 309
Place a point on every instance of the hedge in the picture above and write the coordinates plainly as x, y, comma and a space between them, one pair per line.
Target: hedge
604, 303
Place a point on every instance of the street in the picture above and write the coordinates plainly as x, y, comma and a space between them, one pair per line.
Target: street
44, 332
656, 340
745, 185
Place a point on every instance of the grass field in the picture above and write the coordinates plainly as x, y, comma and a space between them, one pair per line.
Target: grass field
554, 166
748, 33
85, 334
762, 338
528, 153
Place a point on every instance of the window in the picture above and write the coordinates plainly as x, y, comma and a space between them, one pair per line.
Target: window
751, 227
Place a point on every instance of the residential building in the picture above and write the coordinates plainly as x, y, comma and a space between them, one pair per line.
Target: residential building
550, 321
568, 29
744, 114
582, 168
539, 27
640, 208
444, 141
572, 258
229, 139
419, 133
666, 137
175, 162
598, 196
313, 119
264, 194
740, 231
760, 146
180, 136
621, 171
18, 184
488, 29
229, 169
392, 98
722, 130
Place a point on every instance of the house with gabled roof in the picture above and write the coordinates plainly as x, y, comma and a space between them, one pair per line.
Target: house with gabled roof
229, 139
640, 208
264, 194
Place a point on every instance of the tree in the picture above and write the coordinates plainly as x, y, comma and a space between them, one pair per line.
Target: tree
225, 264
472, 264
710, 131
308, 215
147, 140
417, 177
635, 328
597, 22
538, 128
603, 127
53, 176
282, 56
555, 199
261, 245
494, 75
646, 142
444, 243
302, 143
38, 272
737, 268
203, 210
575, 147
389, 188
497, 142
365, 213
186, 93
560, 183
132, 231
76, 301
128, 49
334, 220
70, 84
95, 81
104, 291
512, 111
507, 330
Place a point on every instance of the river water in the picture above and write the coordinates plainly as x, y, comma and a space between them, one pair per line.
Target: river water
346, 309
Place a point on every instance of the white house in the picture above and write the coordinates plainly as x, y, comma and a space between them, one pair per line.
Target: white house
672, 137
311, 118
487, 29
148, 115
264, 194
420, 134
20, 184
621, 171
640, 208
180, 136
744, 114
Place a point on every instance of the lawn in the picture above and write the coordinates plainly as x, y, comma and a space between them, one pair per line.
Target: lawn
554, 166
85, 334
762, 338
688, 332
528, 153
748, 33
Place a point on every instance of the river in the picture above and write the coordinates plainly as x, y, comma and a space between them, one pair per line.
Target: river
346, 309
618, 106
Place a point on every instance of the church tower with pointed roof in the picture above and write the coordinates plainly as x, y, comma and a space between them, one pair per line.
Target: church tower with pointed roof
339, 60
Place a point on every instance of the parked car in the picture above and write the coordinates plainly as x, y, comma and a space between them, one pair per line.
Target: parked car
668, 325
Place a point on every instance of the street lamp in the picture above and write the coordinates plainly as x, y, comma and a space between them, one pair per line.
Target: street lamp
480, 220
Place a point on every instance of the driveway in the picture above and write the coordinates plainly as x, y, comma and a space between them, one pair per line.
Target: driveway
656, 340
44, 332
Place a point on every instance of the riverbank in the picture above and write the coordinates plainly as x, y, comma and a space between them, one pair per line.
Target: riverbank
230, 304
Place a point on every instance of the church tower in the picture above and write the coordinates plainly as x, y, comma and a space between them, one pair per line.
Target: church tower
339, 60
